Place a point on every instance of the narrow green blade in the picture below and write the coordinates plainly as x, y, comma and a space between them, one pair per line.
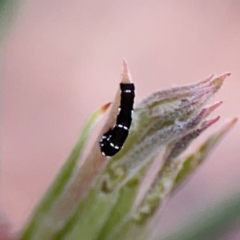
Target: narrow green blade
63, 177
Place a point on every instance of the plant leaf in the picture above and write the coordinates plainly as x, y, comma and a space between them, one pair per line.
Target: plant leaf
136, 225
211, 223
63, 177
194, 160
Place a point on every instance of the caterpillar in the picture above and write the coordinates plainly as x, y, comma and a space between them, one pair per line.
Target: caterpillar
112, 141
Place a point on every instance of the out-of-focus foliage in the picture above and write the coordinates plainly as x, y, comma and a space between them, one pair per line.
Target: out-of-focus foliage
8, 11
213, 223
7, 8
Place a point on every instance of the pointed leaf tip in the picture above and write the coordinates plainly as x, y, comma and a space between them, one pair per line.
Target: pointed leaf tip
126, 76
218, 81
209, 123
207, 110
226, 75
228, 125
215, 105
207, 79
105, 107
124, 66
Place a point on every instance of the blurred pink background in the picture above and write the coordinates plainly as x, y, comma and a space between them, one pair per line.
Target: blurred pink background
62, 60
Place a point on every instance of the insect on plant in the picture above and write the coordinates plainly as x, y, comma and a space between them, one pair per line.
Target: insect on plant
112, 141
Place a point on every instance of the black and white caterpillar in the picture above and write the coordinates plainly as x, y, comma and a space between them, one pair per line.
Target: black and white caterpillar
112, 141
